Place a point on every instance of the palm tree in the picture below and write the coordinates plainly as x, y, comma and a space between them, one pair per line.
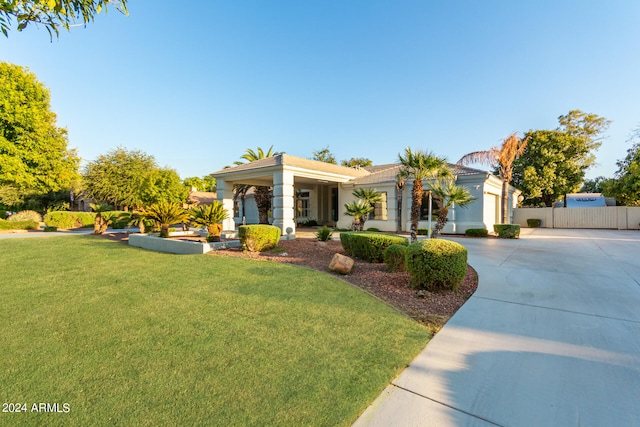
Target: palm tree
262, 194
501, 158
165, 213
101, 222
450, 194
359, 211
210, 216
420, 165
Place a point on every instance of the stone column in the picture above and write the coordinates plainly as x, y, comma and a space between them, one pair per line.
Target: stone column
284, 201
224, 194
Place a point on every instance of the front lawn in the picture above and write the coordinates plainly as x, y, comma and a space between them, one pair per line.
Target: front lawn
126, 336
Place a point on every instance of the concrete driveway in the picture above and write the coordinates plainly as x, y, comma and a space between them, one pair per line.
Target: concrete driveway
550, 338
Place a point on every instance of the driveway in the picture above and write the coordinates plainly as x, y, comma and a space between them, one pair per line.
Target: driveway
550, 338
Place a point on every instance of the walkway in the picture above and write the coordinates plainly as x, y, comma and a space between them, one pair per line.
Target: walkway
550, 338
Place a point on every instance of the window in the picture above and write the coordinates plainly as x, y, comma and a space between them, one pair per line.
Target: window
302, 204
236, 209
424, 207
379, 211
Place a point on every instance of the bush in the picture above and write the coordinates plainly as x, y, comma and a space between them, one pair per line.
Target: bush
309, 223
507, 231
436, 264
49, 228
423, 231
369, 246
373, 230
534, 223
394, 257
64, 219
324, 234
121, 220
18, 225
26, 216
258, 237
476, 232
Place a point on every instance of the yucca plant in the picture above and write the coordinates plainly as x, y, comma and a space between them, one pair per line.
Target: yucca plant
211, 217
165, 214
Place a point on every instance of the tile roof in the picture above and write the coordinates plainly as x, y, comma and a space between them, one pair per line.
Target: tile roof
293, 161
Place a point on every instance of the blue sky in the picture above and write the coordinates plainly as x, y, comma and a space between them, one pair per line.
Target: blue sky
195, 87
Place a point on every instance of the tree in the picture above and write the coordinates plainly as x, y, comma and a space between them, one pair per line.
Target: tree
356, 162
450, 194
324, 155
360, 209
206, 183
163, 184
593, 185
211, 217
35, 160
165, 214
553, 165
420, 165
502, 159
585, 125
53, 13
117, 177
626, 185
262, 194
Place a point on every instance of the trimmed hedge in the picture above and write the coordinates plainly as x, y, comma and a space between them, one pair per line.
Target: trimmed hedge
65, 219
423, 231
369, 246
395, 258
534, 222
258, 237
436, 264
50, 228
18, 225
476, 232
507, 231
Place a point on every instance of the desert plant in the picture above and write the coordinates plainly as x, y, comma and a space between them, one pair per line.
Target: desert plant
101, 220
369, 246
26, 216
395, 257
507, 231
476, 232
211, 217
258, 237
534, 222
165, 214
323, 234
436, 264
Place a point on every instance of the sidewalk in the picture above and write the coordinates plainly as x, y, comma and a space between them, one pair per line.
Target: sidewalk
550, 338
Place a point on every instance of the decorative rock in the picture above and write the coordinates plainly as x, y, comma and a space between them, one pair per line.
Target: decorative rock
341, 264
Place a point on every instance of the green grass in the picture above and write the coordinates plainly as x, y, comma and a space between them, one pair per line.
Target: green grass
132, 337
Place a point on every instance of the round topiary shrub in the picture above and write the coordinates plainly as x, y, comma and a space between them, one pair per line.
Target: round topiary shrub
534, 222
507, 231
258, 237
436, 264
26, 216
394, 257
476, 232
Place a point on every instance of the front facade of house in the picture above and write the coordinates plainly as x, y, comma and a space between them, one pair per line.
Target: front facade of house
305, 190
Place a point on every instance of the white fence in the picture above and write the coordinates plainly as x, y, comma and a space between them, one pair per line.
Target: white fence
612, 217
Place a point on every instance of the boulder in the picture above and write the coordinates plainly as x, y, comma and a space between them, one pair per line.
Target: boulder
341, 264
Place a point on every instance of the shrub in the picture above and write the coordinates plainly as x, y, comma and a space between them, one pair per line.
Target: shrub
49, 228
369, 246
121, 220
534, 222
18, 225
476, 232
507, 231
423, 231
309, 223
373, 230
436, 264
395, 257
64, 219
258, 237
323, 234
26, 216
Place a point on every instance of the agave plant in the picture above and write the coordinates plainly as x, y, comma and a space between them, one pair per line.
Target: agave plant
165, 214
210, 216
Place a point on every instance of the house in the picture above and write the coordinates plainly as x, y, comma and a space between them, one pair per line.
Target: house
305, 189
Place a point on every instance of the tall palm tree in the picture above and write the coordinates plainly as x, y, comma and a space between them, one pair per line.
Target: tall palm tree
502, 159
420, 165
262, 194
450, 194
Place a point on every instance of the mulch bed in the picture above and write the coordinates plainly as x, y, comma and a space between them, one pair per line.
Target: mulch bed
430, 308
